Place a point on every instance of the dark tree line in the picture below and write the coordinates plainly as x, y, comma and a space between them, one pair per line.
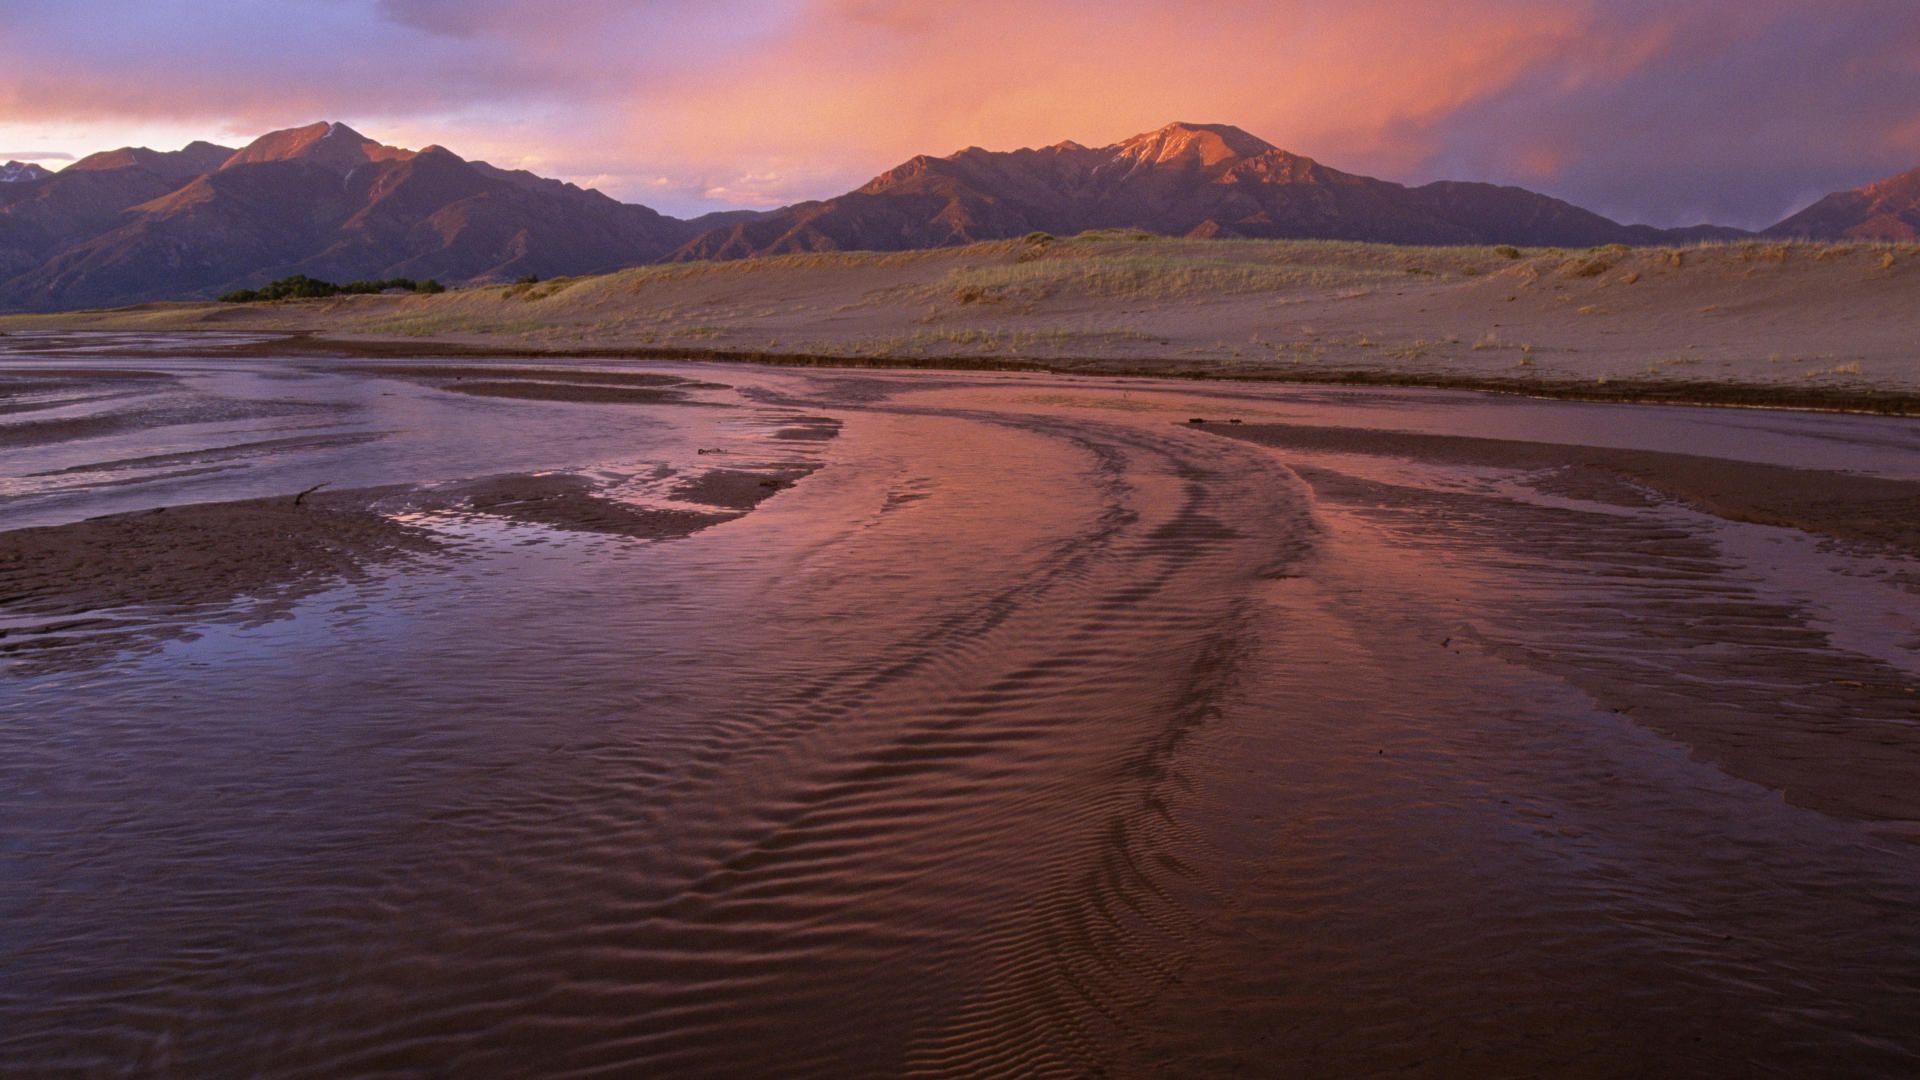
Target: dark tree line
302, 287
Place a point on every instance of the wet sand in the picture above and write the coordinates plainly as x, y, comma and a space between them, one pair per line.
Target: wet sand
1360, 369
736, 490
69, 589
548, 384
571, 503
84, 590
863, 723
75, 582
1867, 510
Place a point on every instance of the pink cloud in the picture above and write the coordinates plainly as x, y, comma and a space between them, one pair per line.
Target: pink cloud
1648, 110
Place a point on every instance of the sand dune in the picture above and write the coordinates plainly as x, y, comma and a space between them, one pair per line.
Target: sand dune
1757, 323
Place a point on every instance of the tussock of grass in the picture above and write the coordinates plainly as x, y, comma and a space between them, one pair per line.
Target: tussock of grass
638, 278
1112, 236
1140, 277
1175, 269
1659, 364
532, 291
978, 341
1852, 368
434, 323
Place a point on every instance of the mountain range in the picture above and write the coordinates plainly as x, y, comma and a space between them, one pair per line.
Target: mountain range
1888, 211
14, 172
135, 224
1206, 180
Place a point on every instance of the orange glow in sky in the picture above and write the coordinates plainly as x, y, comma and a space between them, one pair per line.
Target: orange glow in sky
1662, 112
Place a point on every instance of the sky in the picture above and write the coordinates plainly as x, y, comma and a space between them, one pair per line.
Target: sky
1668, 112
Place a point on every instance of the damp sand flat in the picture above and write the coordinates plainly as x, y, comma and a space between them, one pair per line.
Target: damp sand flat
972, 725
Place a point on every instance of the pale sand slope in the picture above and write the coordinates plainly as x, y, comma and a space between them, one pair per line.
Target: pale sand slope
1764, 323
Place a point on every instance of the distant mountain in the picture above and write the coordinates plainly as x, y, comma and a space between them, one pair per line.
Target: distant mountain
1209, 180
1888, 210
15, 172
175, 165
323, 200
38, 219
334, 147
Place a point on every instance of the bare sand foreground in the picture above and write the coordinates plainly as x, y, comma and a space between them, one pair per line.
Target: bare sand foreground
1784, 324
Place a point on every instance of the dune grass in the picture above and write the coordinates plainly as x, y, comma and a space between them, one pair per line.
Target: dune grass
992, 341
1124, 265
1694, 320
1112, 264
1125, 295
1138, 277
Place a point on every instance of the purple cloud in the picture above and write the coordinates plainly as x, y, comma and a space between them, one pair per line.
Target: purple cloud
1736, 111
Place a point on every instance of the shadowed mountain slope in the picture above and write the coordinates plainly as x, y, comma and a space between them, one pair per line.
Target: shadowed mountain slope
1886, 211
133, 225
17, 172
1208, 180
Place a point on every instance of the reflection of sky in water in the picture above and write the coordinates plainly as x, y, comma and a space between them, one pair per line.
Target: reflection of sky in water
352, 431
1885, 445
1027, 653
314, 421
